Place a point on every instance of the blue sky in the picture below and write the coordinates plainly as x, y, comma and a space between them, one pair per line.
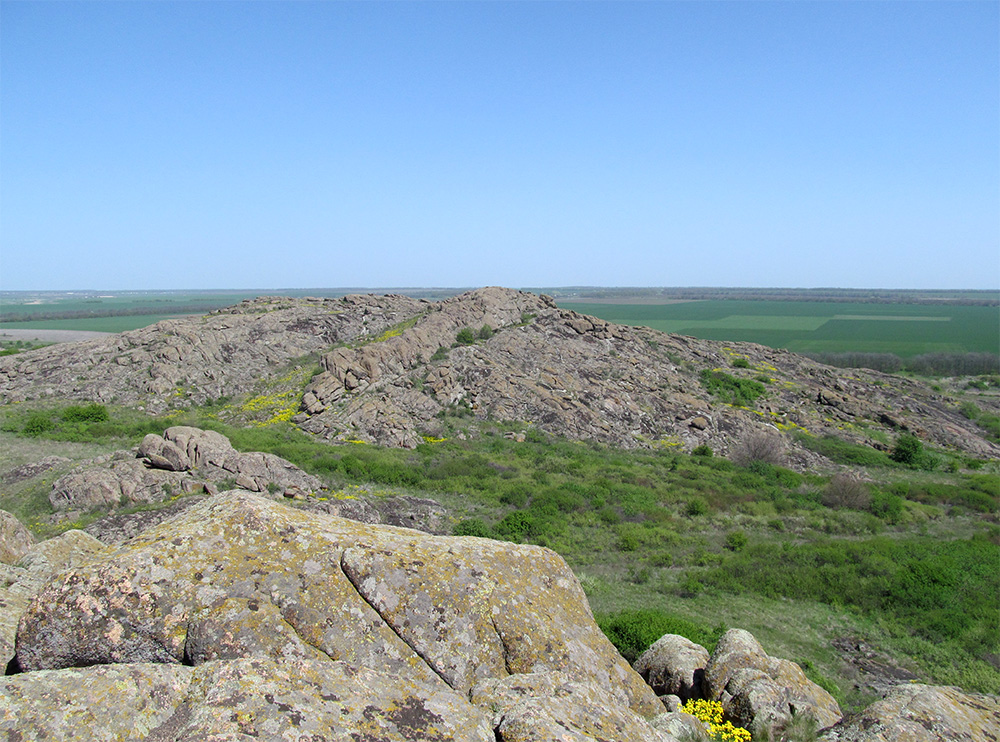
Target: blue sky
263, 145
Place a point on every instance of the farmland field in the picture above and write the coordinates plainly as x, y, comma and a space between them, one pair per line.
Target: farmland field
818, 327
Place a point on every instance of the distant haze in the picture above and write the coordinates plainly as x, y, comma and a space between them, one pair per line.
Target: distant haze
195, 145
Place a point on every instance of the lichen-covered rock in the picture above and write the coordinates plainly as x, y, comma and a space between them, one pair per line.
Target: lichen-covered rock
679, 724
674, 665
15, 539
763, 691
550, 707
18, 584
922, 713
255, 698
162, 453
183, 460
241, 574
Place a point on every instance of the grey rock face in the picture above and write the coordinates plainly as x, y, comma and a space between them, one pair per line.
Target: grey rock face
675, 666
762, 692
19, 584
922, 713
15, 539
240, 575
552, 706
250, 698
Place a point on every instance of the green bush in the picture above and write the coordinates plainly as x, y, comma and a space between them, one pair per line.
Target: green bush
729, 389
37, 424
465, 336
472, 527
702, 450
696, 506
741, 362
632, 632
92, 413
736, 540
485, 332
908, 450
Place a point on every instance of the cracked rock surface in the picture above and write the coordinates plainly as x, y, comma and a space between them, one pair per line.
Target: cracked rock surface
244, 616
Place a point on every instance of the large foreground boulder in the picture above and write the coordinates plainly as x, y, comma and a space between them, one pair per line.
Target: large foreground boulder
239, 576
242, 699
923, 713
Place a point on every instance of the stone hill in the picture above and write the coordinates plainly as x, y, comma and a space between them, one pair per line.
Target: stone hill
390, 368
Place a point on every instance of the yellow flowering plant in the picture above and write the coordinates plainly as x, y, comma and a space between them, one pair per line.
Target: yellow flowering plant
709, 713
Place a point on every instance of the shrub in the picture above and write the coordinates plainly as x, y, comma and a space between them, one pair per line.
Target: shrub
472, 527
760, 446
741, 362
729, 389
736, 541
632, 632
696, 506
37, 424
846, 491
485, 332
887, 506
908, 450
465, 336
92, 413
702, 450
440, 354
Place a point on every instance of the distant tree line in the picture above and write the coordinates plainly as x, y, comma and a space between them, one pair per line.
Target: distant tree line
926, 364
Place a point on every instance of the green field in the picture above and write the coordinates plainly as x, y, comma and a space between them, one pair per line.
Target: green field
819, 327
93, 324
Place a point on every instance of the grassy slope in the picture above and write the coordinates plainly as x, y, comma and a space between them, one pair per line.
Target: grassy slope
654, 529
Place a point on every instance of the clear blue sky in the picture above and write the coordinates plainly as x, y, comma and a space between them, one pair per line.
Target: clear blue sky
253, 145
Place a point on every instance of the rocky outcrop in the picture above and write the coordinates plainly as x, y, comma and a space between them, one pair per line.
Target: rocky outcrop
183, 460
922, 713
247, 698
241, 587
551, 706
193, 360
15, 539
762, 692
389, 371
20, 583
674, 666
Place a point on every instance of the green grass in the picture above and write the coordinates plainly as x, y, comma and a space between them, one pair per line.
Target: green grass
661, 530
809, 327
92, 324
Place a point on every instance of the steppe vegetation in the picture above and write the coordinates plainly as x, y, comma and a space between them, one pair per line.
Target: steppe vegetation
899, 553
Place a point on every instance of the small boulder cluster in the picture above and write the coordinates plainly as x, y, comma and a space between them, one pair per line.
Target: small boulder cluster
766, 695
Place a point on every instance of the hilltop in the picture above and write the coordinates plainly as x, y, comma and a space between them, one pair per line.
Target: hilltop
393, 369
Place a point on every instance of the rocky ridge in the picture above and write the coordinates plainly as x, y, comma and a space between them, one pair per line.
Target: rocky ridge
389, 372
